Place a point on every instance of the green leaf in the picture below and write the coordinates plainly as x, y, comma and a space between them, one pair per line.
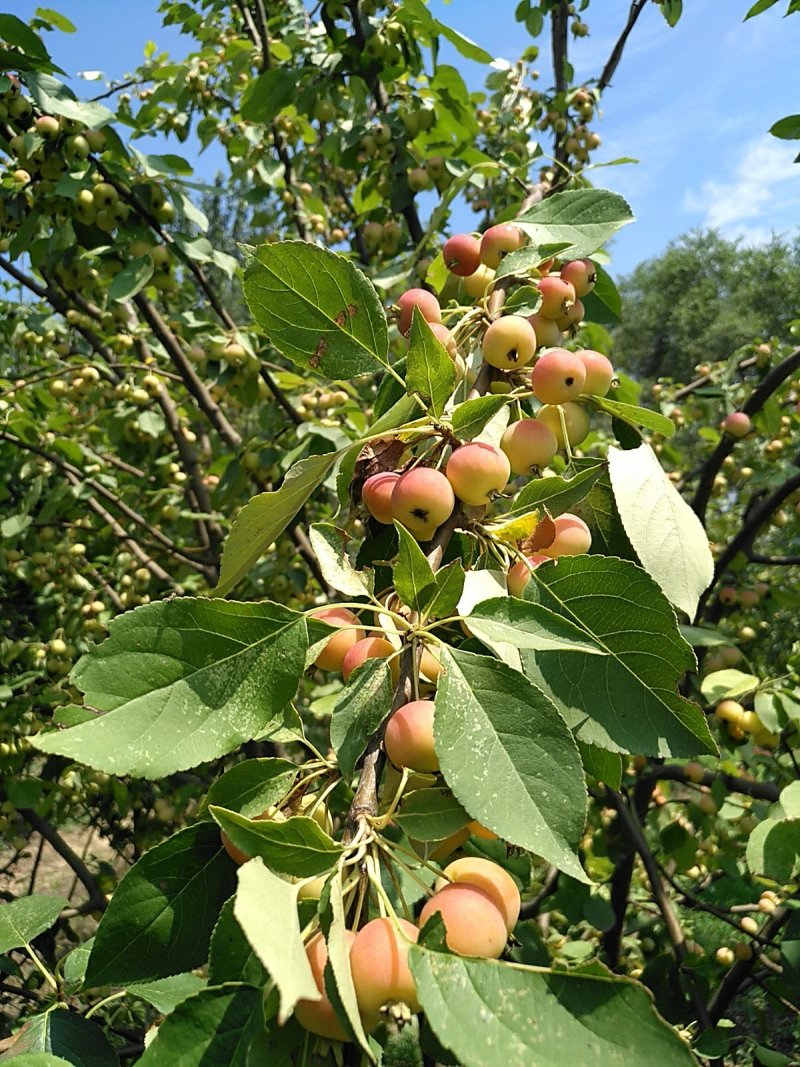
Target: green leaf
556, 494
338, 970
491, 725
531, 626
635, 416
671, 10
40, 1059
330, 547
581, 220
759, 7
266, 516
165, 994
297, 846
54, 98
773, 849
268, 94
605, 766
266, 910
523, 263
728, 683
492, 1014
449, 587
133, 277
788, 128
159, 920
626, 701
414, 579
231, 957
359, 710
464, 45
522, 300
55, 18
24, 919
182, 682
667, 536
252, 786
18, 34
215, 1026
430, 373
471, 417
604, 303
317, 309
430, 814
64, 1036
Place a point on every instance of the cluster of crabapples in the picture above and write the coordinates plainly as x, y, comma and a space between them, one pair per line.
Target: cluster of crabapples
743, 724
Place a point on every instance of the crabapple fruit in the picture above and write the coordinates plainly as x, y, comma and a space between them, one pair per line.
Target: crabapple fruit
369, 648
519, 575
547, 332
737, 424
729, 711
581, 274
509, 342
558, 296
318, 1016
425, 302
576, 420
474, 925
422, 499
728, 595
558, 376
336, 647
379, 964
430, 666
475, 284
529, 445
462, 254
409, 737
572, 316
477, 472
377, 495
599, 372
491, 878
498, 241
573, 537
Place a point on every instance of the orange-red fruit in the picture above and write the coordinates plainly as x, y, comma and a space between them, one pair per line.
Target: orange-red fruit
573, 537
377, 495
519, 575
558, 296
421, 500
582, 275
409, 737
492, 879
425, 302
737, 424
529, 444
379, 963
318, 1016
509, 342
462, 254
336, 647
572, 316
547, 332
599, 372
576, 420
369, 648
474, 924
558, 377
498, 241
477, 472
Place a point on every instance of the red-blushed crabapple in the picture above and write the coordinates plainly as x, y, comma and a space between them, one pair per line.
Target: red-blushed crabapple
370, 648
474, 925
728, 595
749, 598
336, 647
409, 737
491, 878
558, 376
581, 274
379, 964
546, 266
462, 254
729, 656
421, 500
529, 445
520, 574
475, 285
599, 372
498, 241
238, 855
445, 338
509, 342
425, 302
547, 332
318, 1016
558, 296
377, 495
737, 424
571, 317
573, 537
477, 472
576, 420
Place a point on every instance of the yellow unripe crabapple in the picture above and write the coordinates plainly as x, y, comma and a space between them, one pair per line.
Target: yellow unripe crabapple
519, 575
509, 342
576, 420
491, 878
377, 495
474, 924
379, 963
529, 445
573, 537
729, 711
475, 284
336, 647
422, 499
318, 1016
599, 372
477, 472
409, 737
547, 332
558, 376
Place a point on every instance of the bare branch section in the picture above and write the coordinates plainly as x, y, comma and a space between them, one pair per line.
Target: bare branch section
49, 833
612, 62
748, 787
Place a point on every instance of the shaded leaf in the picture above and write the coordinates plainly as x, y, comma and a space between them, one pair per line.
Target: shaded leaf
297, 845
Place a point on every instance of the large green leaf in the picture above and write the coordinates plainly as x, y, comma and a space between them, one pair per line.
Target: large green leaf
555, 493
54, 98
636, 416
231, 957
470, 418
266, 910
431, 374
165, 994
668, 537
133, 277
253, 785
267, 95
509, 758
493, 1014
266, 516
338, 976
330, 547
297, 846
215, 1026
430, 814
159, 920
182, 682
63, 1034
414, 579
626, 701
531, 626
24, 919
359, 710
317, 309
581, 220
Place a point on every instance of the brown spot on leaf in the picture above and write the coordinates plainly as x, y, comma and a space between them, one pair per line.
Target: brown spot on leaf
542, 536
351, 310
381, 455
341, 318
319, 352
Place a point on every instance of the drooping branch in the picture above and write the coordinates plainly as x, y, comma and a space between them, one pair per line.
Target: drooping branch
746, 786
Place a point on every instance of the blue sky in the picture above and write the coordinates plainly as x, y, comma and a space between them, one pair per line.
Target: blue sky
692, 104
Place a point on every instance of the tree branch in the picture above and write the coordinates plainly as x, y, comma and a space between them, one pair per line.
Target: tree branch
675, 773
81, 871
616, 52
